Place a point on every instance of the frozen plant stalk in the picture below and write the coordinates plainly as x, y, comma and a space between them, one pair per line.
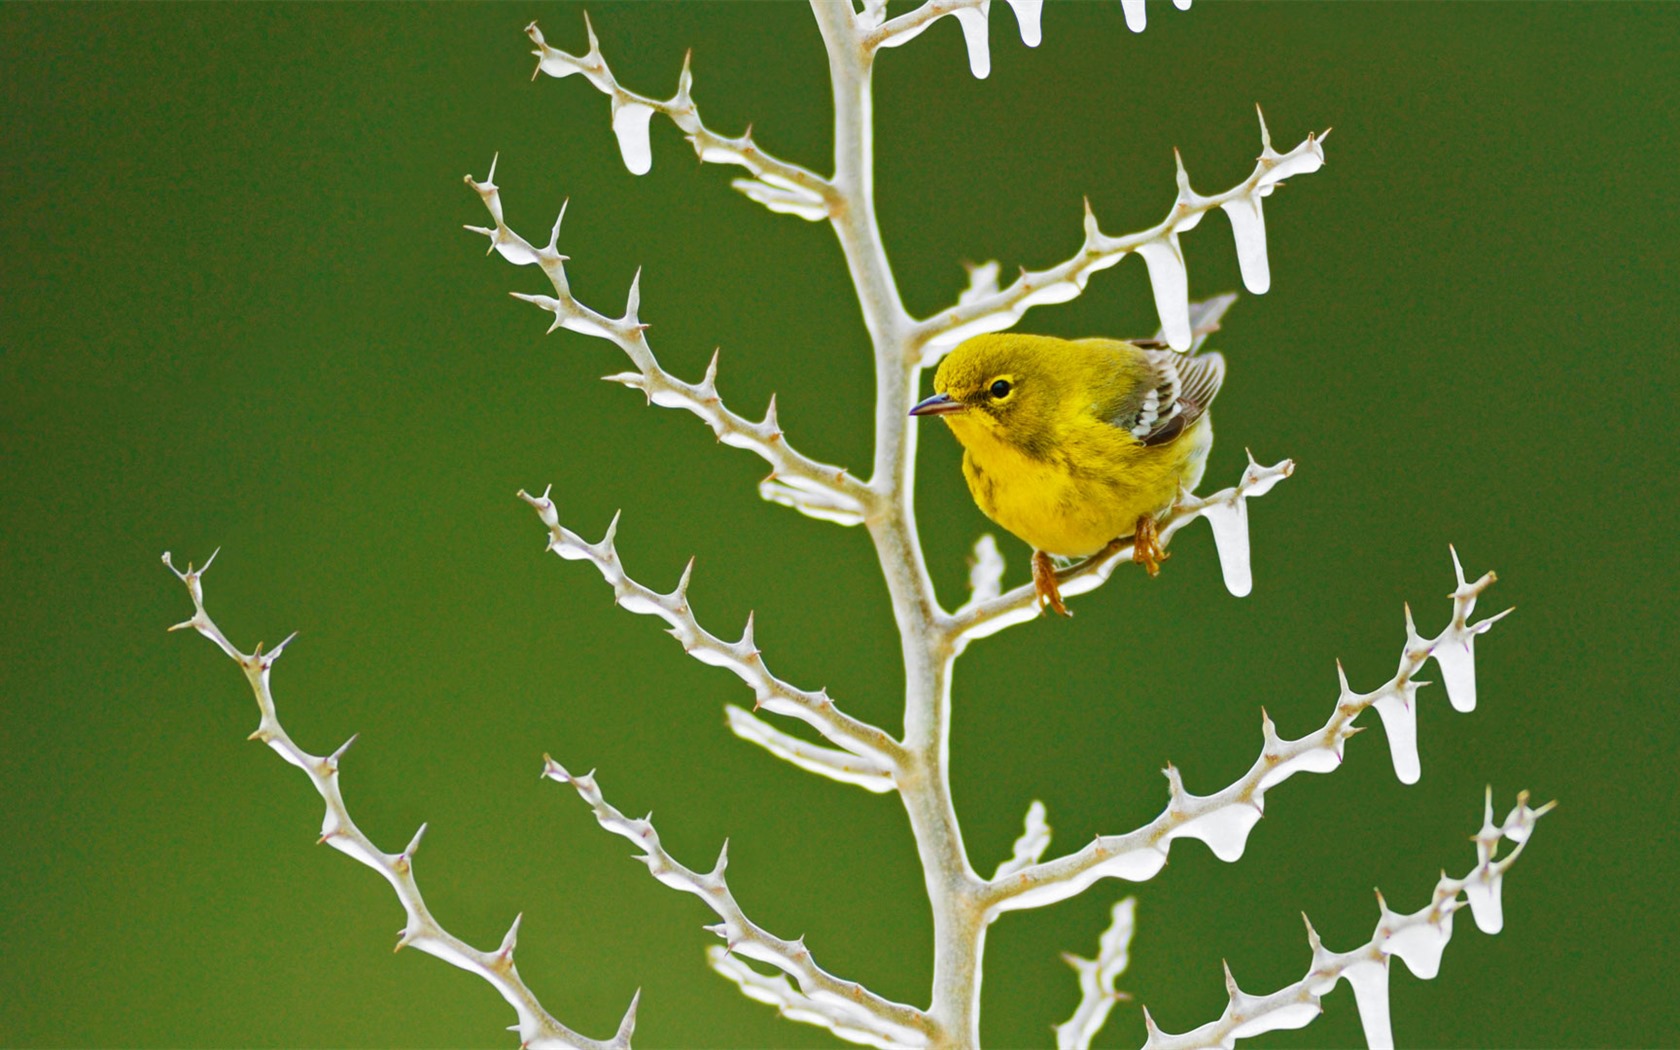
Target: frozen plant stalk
914, 763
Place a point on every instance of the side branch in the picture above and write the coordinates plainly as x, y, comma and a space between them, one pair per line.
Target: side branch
837, 1002
988, 612
1417, 939
1159, 246
779, 185
871, 774
817, 489
1224, 819
741, 657
536, 1027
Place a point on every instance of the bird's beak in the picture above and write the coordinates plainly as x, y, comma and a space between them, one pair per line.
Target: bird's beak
938, 405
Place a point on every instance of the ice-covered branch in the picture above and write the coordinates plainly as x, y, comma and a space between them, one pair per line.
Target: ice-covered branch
834, 1003
777, 184
1418, 939
536, 1027
1159, 246
866, 772
987, 612
1096, 980
817, 489
878, 31
1223, 820
1030, 847
741, 657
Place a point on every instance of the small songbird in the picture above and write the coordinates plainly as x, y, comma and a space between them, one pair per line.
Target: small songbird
1073, 445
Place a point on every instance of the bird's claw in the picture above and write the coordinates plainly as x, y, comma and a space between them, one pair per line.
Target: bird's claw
1146, 545
1044, 582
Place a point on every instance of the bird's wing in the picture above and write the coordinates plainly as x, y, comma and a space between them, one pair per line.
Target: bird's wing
1175, 392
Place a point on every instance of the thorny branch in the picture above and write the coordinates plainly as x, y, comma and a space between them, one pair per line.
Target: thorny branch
536, 1027
1223, 820
893, 1023
879, 750
1418, 939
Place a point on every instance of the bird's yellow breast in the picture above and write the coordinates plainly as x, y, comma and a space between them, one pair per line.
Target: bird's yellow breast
1090, 486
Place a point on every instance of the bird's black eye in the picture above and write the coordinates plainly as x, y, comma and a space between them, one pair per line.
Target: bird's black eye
1000, 389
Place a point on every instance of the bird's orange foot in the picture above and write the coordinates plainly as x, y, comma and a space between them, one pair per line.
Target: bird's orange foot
1044, 582
1146, 545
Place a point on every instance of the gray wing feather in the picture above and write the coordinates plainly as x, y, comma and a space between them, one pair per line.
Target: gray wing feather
1180, 394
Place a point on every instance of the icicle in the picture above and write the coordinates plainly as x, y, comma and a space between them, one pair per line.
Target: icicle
1248, 227
973, 22
1486, 900
1225, 830
1171, 283
630, 124
1421, 946
1369, 982
1027, 13
1399, 719
1457, 661
1230, 537
1135, 17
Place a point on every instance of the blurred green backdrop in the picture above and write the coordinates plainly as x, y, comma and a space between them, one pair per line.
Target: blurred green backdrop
239, 311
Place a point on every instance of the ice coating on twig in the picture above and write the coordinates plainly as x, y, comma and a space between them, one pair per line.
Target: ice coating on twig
1096, 979
985, 570
816, 489
1223, 820
631, 113
536, 1027
865, 772
834, 1003
978, 619
741, 657
1418, 939
973, 23
826, 1012
1030, 847
1159, 245
630, 125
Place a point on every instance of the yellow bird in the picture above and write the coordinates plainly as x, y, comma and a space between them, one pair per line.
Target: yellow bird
1073, 445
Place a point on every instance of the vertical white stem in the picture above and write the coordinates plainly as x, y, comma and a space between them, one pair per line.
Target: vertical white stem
959, 927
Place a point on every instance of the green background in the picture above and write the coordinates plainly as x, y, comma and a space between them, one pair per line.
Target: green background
239, 311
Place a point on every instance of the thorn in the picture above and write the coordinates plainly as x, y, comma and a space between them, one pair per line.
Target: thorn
1091, 231
681, 592
1149, 1024
611, 534
771, 421
594, 43
1183, 176
1265, 133
333, 758
1230, 981
1324, 135
633, 301
511, 938
627, 1027
414, 843
554, 234
1411, 628
1312, 934
710, 380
